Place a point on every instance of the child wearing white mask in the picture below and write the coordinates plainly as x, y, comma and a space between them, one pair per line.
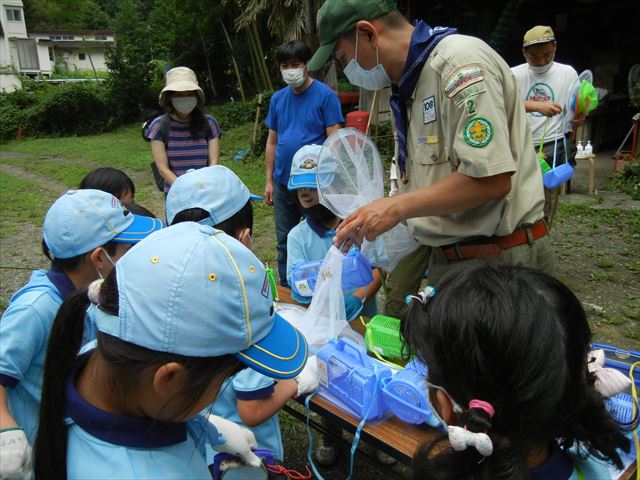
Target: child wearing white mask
185, 137
85, 232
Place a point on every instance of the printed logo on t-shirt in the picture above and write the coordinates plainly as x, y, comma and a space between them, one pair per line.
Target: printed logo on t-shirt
540, 92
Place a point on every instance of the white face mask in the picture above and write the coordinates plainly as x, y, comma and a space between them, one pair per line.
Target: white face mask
108, 258
184, 105
373, 79
542, 69
294, 77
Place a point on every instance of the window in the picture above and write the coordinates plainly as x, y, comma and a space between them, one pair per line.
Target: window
52, 57
55, 37
27, 54
101, 37
82, 56
68, 37
14, 14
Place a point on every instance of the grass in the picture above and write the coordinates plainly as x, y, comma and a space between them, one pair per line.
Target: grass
22, 201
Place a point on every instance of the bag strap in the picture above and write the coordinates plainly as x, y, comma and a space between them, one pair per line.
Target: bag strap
165, 126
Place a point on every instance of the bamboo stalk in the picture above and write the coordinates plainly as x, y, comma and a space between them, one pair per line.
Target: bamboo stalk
263, 63
257, 122
233, 59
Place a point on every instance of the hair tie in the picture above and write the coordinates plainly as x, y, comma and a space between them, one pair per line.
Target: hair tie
93, 292
608, 381
422, 296
461, 438
482, 405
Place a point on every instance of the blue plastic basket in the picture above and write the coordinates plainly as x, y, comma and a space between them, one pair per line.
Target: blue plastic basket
406, 394
346, 371
621, 407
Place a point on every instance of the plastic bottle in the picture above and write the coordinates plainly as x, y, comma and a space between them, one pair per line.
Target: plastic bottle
580, 150
588, 150
356, 273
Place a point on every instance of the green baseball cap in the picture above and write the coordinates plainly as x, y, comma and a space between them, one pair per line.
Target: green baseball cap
336, 17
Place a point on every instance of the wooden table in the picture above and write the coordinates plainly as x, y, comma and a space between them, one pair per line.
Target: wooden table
392, 436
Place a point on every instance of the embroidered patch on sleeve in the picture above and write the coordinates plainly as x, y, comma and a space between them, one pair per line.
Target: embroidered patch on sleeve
429, 109
461, 78
478, 132
462, 96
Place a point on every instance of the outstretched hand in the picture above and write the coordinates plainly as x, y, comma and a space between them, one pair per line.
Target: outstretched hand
368, 222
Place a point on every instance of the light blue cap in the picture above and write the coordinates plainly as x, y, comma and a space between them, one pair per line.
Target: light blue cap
81, 220
304, 168
195, 291
215, 189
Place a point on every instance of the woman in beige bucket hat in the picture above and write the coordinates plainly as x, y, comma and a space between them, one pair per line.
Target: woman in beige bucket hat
185, 137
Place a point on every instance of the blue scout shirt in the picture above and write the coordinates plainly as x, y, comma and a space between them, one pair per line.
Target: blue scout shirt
24, 330
305, 245
300, 119
104, 445
250, 385
569, 466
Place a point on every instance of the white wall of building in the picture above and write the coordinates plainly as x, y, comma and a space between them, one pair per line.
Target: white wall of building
8, 51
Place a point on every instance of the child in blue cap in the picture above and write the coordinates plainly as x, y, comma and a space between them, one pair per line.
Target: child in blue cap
85, 232
312, 238
213, 196
216, 196
182, 311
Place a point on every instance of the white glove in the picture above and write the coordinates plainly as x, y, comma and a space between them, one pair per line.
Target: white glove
15, 455
308, 378
609, 381
238, 440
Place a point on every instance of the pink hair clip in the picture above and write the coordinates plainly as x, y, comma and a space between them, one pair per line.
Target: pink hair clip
482, 405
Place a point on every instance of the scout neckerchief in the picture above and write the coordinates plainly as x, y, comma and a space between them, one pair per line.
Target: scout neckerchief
423, 40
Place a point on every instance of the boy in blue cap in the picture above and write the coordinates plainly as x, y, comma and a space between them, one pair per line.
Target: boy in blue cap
312, 238
181, 312
85, 232
217, 197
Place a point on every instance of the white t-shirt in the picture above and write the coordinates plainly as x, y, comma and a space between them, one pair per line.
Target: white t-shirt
552, 86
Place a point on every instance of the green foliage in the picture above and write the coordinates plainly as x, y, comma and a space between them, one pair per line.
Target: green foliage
67, 109
263, 131
65, 14
131, 73
233, 114
627, 181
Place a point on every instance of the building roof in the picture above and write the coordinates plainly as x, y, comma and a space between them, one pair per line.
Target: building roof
73, 32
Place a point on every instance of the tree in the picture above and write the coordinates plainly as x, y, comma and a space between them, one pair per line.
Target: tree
131, 72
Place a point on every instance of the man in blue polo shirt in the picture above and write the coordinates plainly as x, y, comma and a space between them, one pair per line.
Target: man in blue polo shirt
303, 113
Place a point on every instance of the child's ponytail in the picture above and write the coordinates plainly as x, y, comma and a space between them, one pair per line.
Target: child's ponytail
65, 340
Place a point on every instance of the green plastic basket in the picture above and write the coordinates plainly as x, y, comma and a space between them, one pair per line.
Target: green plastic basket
383, 336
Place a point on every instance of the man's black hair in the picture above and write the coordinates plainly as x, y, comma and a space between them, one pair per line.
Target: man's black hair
295, 50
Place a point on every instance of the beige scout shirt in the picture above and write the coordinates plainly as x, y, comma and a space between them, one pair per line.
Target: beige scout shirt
466, 114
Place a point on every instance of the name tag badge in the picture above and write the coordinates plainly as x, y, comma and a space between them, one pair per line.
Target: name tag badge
429, 110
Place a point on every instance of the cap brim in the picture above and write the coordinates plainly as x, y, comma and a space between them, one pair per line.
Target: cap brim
539, 40
281, 354
306, 180
255, 198
140, 228
322, 55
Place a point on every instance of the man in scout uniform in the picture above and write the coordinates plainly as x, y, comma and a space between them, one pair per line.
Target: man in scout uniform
545, 86
470, 179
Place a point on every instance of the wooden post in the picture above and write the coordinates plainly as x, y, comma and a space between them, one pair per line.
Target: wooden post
257, 122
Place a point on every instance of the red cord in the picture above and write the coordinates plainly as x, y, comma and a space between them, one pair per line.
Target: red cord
290, 474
